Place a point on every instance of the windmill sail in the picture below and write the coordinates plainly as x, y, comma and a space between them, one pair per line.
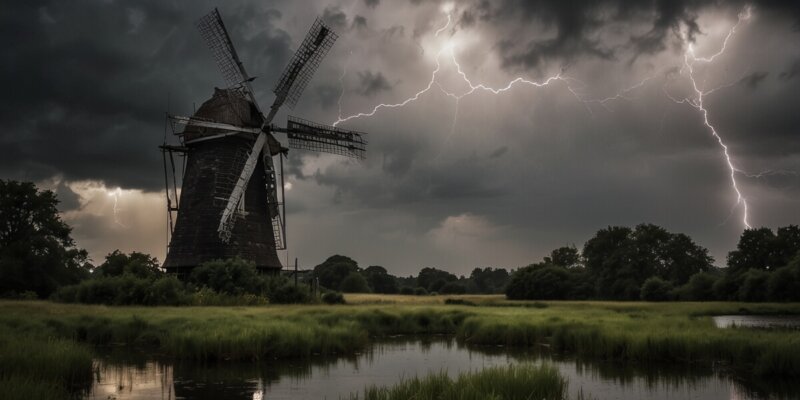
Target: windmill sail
309, 135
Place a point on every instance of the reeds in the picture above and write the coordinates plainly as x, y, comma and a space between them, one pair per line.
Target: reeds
523, 381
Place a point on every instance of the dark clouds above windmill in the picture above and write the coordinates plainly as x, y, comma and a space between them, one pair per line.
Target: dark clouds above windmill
87, 83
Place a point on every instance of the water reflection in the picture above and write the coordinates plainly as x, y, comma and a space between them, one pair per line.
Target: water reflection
758, 321
129, 376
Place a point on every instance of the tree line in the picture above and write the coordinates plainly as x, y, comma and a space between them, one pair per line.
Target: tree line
39, 259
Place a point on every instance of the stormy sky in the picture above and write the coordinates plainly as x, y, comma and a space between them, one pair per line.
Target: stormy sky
485, 180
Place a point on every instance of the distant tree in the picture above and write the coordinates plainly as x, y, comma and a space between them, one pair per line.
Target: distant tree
621, 259
489, 280
354, 283
233, 276
754, 285
420, 291
699, 288
138, 264
407, 290
784, 282
566, 256
37, 252
380, 280
656, 289
539, 282
432, 279
332, 271
453, 288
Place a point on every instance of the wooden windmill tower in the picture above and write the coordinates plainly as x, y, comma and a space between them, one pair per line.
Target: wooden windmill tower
229, 204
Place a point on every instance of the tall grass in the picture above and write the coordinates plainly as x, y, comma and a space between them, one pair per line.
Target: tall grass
523, 381
677, 333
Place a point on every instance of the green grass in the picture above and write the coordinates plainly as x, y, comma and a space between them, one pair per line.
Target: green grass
523, 381
32, 332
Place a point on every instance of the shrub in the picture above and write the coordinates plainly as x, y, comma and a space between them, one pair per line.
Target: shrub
333, 298
354, 283
453, 288
754, 285
784, 284
726, 288
420, 291
290, 294
699, 288
233, 276
539, 282
406, 290
656, 289
125, 290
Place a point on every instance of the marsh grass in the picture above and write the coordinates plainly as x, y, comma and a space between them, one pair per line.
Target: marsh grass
56, 335
522, 381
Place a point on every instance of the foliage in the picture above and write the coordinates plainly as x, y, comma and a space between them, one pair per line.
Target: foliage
453, 288
290, 294
656, 289
489, 280
406, 290
621, 259
380, 281
699, 288
37, 252
566, 256
521, 381
433, 279
754, 285
233, 276
137, 264
332, 271
540, 282
333, 298
354, 283
420, 291
784, 283
125, 290
763, 249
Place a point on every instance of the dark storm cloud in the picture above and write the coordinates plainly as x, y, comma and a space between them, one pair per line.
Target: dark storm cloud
792, 71
754, 79
359, 22
87, 83
372, 3
371, 83
336, 18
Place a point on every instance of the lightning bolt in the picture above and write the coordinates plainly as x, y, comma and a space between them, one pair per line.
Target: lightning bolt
115, 195
696, 101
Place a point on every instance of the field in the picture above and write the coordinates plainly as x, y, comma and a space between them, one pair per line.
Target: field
51, 343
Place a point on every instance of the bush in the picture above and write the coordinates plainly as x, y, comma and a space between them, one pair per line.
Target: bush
333, 298
233, 276
354, 283
784, 284
754, 285
453, 288
420, 291
290, 294
699, 288
125, 290
407, 290
539, 282
656, 289
726, 288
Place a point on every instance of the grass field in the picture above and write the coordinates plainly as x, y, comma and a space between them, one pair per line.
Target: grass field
55, 340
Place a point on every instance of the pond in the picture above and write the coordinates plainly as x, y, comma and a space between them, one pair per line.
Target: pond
130, 376
758, 321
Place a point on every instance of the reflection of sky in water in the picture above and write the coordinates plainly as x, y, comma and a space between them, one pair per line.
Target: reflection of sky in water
757, 321
385, 365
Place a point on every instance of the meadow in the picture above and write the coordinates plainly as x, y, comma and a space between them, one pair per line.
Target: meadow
48, 346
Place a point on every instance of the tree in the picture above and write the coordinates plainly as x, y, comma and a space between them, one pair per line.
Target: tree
380, 281
567, 257
354, 283
621, 259
433, 279
489, 280
332, 271
37, 252
539, 282
138, 264
656, 289
453, 288
233, 276
754, 250
699, 288
754, 285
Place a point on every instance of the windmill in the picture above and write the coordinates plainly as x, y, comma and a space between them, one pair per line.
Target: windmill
229, 203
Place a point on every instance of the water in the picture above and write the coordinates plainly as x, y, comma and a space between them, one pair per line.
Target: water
138, 377
758, 321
